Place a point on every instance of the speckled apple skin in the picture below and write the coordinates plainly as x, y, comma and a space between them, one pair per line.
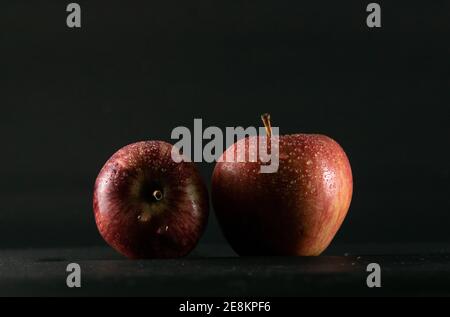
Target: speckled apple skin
135, 224
295, 211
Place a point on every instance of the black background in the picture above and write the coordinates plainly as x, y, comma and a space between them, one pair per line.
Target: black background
136, 69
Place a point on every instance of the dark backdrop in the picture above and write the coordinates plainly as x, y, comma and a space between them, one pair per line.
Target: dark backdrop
137, 69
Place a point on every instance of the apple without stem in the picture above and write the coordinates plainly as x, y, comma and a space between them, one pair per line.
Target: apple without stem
295, 211
148, 206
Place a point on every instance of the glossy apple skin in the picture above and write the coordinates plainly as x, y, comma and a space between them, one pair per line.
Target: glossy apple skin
131, 220
295, 211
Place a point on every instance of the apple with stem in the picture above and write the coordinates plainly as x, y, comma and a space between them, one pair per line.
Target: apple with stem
294, 211
148, 206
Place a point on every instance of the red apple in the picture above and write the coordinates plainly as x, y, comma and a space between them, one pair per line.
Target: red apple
148, 206
294, 211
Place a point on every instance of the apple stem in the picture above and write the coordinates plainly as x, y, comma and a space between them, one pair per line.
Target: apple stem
266, 120
158, 195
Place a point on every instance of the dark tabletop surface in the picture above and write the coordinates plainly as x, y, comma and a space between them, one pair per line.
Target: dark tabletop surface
42, 272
